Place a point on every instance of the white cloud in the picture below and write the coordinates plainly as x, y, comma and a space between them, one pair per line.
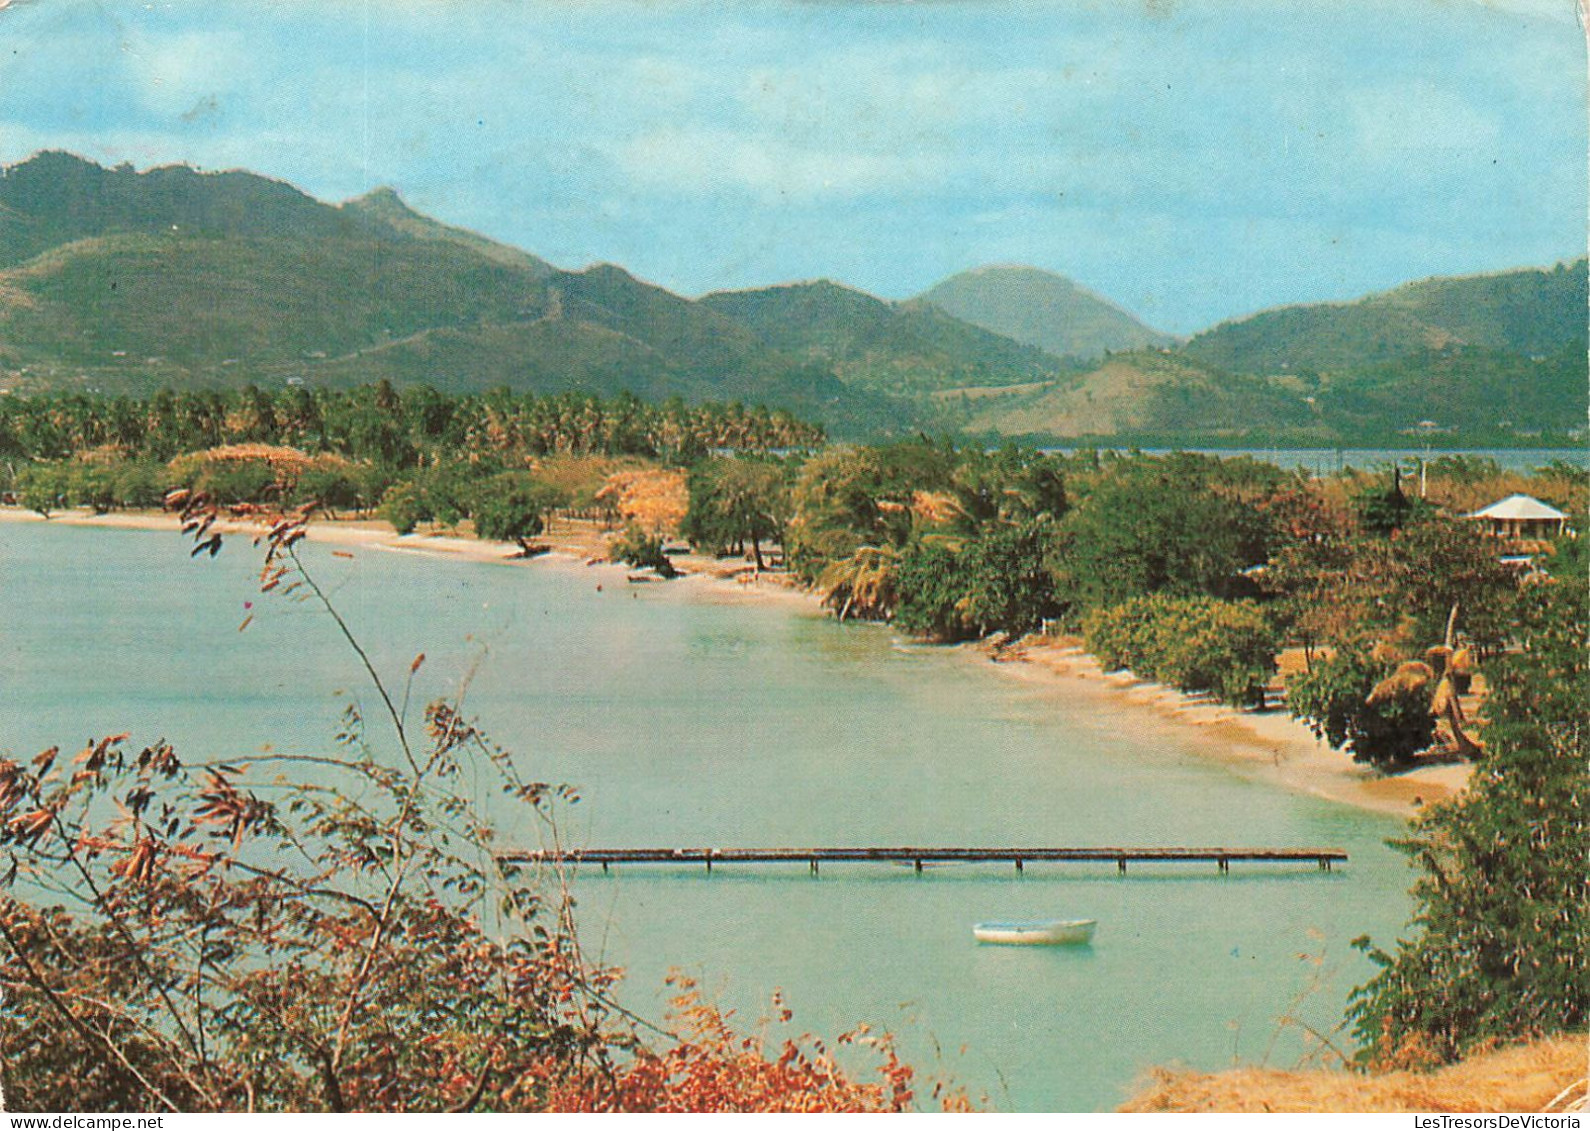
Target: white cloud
690, 161
178, 71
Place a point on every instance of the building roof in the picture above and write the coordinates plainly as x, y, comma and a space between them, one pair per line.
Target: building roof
1520, 507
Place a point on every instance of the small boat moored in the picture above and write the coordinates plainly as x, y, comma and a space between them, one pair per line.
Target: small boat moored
1036, 932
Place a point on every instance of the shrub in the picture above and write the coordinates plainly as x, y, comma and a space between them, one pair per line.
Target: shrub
404, 506
1192, 643
642, 550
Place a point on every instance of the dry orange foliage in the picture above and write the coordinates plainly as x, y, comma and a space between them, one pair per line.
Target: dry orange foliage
1540, 1076
935, 506
655, 499
284, 459
288, 464
712, 1067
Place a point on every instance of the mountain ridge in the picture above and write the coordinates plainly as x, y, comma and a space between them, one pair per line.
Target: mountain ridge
1527, 310
127, 280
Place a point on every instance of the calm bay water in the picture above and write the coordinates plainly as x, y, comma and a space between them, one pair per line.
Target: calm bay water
691, 720
1328, 461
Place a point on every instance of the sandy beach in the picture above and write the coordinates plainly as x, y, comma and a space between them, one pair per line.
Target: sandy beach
1267, 746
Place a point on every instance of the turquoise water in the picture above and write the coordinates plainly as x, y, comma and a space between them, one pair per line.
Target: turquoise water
689, 720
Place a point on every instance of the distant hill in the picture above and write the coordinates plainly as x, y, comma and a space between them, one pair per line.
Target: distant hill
1042, 309
1142, 393
1468, 394
905, 348
127, 281
1531, 312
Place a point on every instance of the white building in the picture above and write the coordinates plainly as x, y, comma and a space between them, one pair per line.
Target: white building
1521, 518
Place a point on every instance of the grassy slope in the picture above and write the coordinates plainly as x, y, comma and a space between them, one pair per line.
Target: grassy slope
1139, 393
1522, 1078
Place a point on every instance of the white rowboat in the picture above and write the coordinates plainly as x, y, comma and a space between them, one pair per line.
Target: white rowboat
1036, 932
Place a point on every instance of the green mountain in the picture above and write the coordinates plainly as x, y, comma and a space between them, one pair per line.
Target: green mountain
1531, 312
57, 198
1042, 309
128, 281
1492, 359
1464, 391
904, 348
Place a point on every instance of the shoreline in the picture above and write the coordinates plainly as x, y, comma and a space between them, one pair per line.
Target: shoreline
1266, 746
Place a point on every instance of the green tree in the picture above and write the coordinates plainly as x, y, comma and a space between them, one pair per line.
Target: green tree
1148, 530
140, 484
1226, 648
239, 481
93, 485
848, 499
933, 591
737, 501
332, 484
1010, 587
42, 487
862, 583
513, 507
1383, 510
1501, 949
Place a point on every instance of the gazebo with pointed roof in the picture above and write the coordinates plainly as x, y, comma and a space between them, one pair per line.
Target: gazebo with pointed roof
1521, 517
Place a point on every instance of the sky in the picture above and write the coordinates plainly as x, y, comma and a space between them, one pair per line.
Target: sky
1192, 160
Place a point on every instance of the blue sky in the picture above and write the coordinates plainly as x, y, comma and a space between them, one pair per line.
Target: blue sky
1191, 159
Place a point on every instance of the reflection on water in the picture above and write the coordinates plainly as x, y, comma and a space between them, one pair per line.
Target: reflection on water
688, 723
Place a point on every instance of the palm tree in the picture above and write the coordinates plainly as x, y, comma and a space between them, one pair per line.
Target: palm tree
862, 583
1437, 675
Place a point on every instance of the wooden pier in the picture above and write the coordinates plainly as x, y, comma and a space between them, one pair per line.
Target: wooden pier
1222, 858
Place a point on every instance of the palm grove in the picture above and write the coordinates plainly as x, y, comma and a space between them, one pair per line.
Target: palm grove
1190, 570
